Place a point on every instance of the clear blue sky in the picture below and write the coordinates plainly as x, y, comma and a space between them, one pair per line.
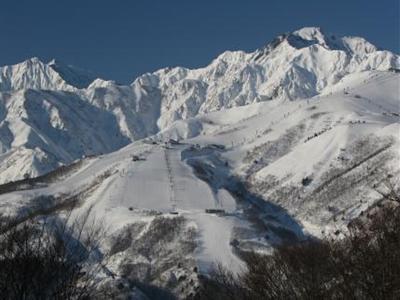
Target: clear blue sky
122, 39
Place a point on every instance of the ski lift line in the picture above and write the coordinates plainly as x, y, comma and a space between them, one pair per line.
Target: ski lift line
172, 197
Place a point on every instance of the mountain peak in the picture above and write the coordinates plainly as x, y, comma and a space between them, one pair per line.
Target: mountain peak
34, 59
34, 73
101, 83
310, 33
308, 36
30, 74
30, 63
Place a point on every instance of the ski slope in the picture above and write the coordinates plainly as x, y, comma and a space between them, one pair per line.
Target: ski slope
269, 147
274, 146
160, 181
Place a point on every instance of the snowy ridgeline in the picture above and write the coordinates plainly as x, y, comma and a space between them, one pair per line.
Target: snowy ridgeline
52, 114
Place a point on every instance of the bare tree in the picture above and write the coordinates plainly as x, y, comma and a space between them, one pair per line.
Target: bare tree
364, 264
47, 258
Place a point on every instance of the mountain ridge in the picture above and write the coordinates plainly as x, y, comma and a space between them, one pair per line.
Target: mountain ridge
297, 65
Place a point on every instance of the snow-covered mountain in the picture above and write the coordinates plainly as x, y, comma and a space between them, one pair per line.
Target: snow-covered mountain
290, 140
281, 171
293, 66
34, 74
297, 65
31, 74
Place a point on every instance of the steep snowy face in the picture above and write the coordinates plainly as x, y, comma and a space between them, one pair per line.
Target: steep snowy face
136, 108
309, 36
293, 66
31, 74
303, 63
40, 130
34, 74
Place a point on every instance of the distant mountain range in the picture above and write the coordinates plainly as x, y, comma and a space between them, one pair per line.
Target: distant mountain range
52, 114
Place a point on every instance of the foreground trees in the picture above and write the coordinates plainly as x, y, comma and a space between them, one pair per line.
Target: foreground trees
364, 264
59, 258
45, 258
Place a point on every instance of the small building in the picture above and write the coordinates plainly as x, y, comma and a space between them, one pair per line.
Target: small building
173, 142
215, 211
135, 158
